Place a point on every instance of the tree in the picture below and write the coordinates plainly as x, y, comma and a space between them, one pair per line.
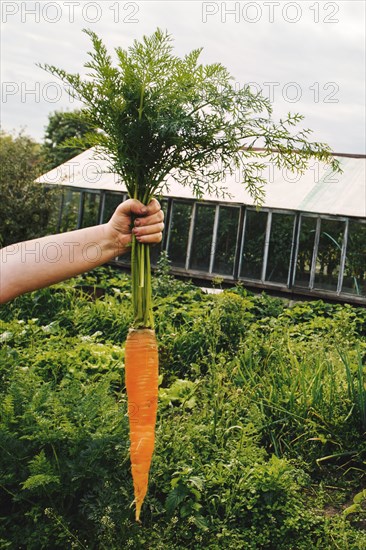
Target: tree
61, 127
26, 207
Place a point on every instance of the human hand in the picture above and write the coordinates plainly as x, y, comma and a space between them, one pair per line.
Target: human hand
147, 226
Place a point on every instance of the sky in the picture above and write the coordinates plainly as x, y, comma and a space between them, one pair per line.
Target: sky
308, 57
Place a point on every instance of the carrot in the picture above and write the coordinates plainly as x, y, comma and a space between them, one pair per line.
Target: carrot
141, 379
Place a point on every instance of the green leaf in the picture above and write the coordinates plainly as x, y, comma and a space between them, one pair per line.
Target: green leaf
360, 497
201, 523
175, 497
39, 480
197, 482
353, 509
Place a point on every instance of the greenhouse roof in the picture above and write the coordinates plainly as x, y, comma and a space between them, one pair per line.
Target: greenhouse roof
318, 190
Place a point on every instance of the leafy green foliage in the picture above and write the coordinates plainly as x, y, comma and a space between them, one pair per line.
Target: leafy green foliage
260, 436
25, 207
41, 474
180, 392
160, 113
61, 127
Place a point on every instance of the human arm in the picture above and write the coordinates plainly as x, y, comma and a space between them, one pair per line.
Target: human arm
38, 263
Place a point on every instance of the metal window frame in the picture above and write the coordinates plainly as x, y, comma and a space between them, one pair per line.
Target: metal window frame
342, 219
190, 236
167, 224
281, 212
191, 233
170, 215
60, 212
103, 197
315, 253
71, 189
343, 257
312, 274
84, 192
99, 208
242, 242
234, 207
196, 204
251, 209
239, 242
266, 246
361, 221
214, 239
102, 206
81, 211
301, 216
294, 249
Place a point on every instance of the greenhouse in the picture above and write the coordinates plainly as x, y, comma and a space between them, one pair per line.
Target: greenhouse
308, 238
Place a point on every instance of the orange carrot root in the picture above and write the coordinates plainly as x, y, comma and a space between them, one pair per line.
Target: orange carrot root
141, 378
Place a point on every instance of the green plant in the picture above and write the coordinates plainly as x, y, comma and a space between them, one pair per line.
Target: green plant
62, 126
358, 505
26, 207
186, 496
260, 446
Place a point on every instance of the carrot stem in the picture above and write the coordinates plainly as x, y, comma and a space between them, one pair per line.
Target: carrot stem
142, 263
141, 285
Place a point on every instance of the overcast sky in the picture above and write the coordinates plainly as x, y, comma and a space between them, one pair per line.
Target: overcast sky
307, 56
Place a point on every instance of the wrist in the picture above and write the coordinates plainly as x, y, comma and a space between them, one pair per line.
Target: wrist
116, 242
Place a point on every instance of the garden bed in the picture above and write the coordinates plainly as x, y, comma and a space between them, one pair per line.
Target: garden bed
260, 433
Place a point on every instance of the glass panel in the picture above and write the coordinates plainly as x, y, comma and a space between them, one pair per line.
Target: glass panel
54, 220
111, 201
179, 232
91, 209
329, 254
354, 280
280, 244
305, 252
70, 211
254, 238
227, 233
202, 237
156, 248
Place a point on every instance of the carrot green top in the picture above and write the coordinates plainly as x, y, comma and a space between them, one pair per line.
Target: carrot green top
160, 114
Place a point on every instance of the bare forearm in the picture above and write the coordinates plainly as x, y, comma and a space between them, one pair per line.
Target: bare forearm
41, 262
